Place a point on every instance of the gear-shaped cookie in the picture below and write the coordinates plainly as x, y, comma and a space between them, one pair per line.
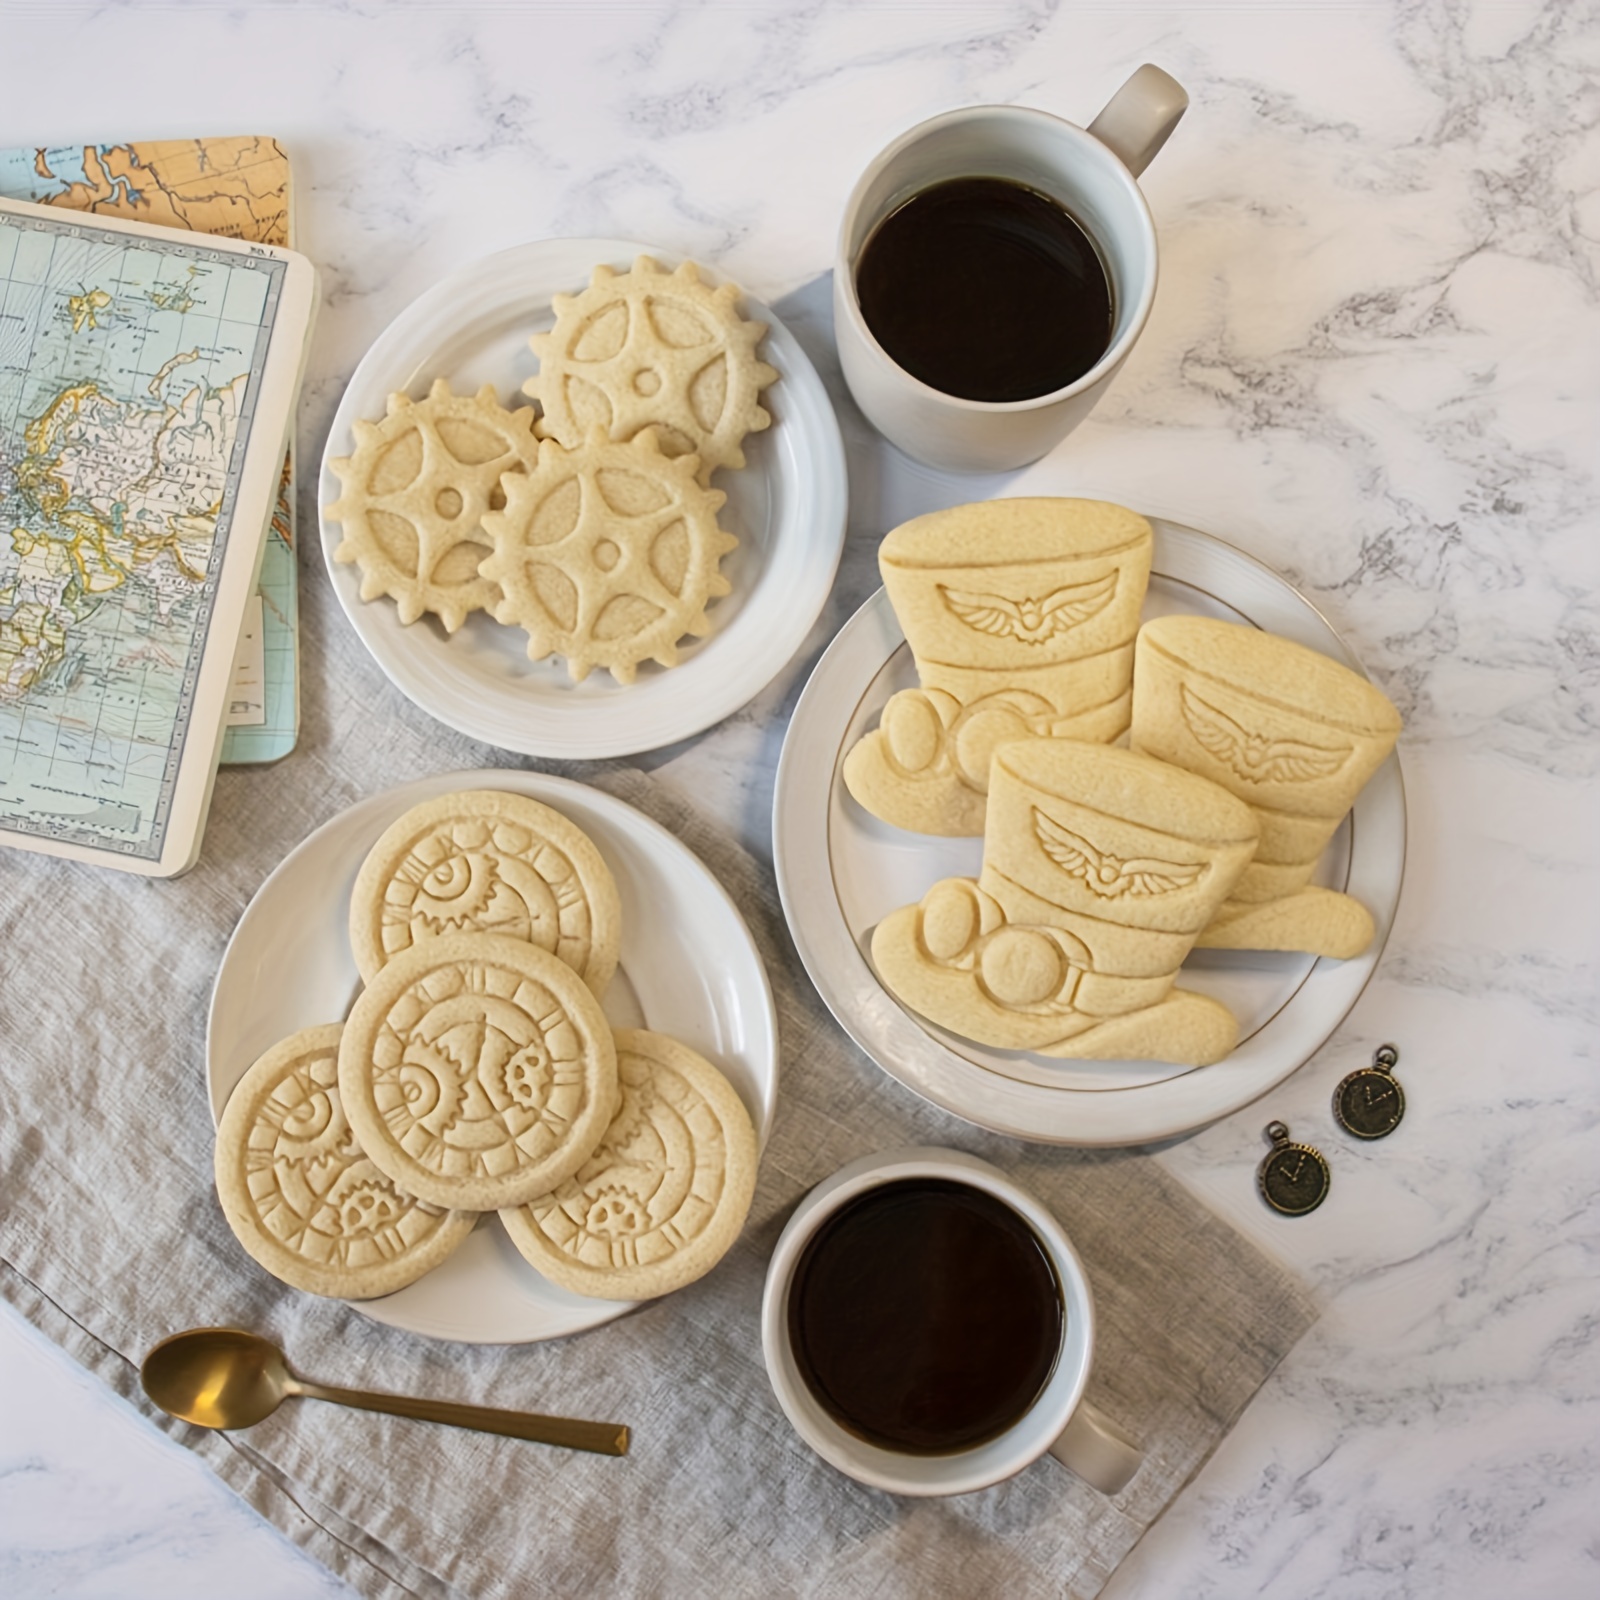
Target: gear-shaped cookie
652, 348
415, 492
607, 554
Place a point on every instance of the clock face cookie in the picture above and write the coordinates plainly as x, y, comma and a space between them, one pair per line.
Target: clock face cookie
487, 861
477, 1072
301, 1196
662, 1199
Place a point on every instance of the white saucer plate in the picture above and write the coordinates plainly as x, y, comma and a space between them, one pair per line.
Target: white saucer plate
841, 871
786, 506
288, 966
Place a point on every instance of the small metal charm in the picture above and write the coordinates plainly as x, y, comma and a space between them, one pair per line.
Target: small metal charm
1370, 1103
1294, 1178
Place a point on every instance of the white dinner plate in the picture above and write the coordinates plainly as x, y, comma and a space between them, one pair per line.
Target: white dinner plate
841, 871
786, 506
689, 968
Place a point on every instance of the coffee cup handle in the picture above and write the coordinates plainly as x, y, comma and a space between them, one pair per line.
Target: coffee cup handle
1140, 116
1097, 1450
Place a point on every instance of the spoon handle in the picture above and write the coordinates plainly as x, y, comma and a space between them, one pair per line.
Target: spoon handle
603, 1438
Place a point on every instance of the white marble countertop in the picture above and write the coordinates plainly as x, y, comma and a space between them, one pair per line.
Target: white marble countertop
1371, 364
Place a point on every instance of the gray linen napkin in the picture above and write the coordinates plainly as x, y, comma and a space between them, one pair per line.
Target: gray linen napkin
112, 1238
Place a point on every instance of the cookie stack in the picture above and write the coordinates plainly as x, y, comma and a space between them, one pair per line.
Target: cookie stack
592, 526
477, 1072
1102, 867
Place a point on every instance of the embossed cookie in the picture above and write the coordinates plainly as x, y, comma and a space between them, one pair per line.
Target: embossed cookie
477, 1072
608, 554
1100, 869
300, 1195
648, 348
487, 861
414, 495
663, 1198
1020, 615
1292, 733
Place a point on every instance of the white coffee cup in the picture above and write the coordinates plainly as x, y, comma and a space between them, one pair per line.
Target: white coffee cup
1091, 173
1059, 1420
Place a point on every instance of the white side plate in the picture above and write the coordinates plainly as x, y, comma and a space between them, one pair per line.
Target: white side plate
289, 966
786, 506
841, 871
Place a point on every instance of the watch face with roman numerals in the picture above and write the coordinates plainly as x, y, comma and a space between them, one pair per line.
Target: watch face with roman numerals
1369, 1103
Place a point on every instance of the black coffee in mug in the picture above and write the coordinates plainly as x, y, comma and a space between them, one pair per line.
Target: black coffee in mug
986, 290
925, 1316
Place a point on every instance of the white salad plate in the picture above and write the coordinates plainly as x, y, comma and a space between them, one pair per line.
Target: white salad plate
689, 968
786, 506
841, 871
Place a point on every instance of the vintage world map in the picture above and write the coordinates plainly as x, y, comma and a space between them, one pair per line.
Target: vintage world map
125, 374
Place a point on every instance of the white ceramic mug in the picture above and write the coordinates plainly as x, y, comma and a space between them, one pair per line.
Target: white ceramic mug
1058, 1421
1091, 173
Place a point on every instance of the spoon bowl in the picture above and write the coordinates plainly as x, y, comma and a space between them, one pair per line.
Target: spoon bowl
217, 1377
227, 1378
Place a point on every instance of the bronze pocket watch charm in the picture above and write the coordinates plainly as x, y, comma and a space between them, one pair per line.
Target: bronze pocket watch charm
1294, 1178
1369, 1102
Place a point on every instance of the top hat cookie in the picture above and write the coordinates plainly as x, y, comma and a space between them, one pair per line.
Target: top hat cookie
1289, 731
1020, 615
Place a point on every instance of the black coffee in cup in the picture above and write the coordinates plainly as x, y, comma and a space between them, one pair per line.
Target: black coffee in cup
925, 1316
986, 290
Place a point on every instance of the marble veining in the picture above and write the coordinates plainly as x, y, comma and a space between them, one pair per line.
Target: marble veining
1370, 365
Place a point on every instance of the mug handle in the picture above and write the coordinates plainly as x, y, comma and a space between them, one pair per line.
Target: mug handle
1097, 1450
1140, 116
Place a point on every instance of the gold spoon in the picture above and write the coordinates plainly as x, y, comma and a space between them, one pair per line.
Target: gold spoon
226, 1378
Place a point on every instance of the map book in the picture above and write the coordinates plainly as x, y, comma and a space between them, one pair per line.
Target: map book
237, 187
147, 384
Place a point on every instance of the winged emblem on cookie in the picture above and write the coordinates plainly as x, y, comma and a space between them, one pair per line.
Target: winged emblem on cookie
1110, 876
1253, 756
1029, 620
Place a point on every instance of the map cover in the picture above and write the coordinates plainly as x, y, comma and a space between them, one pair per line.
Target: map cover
143, 374
237, 188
